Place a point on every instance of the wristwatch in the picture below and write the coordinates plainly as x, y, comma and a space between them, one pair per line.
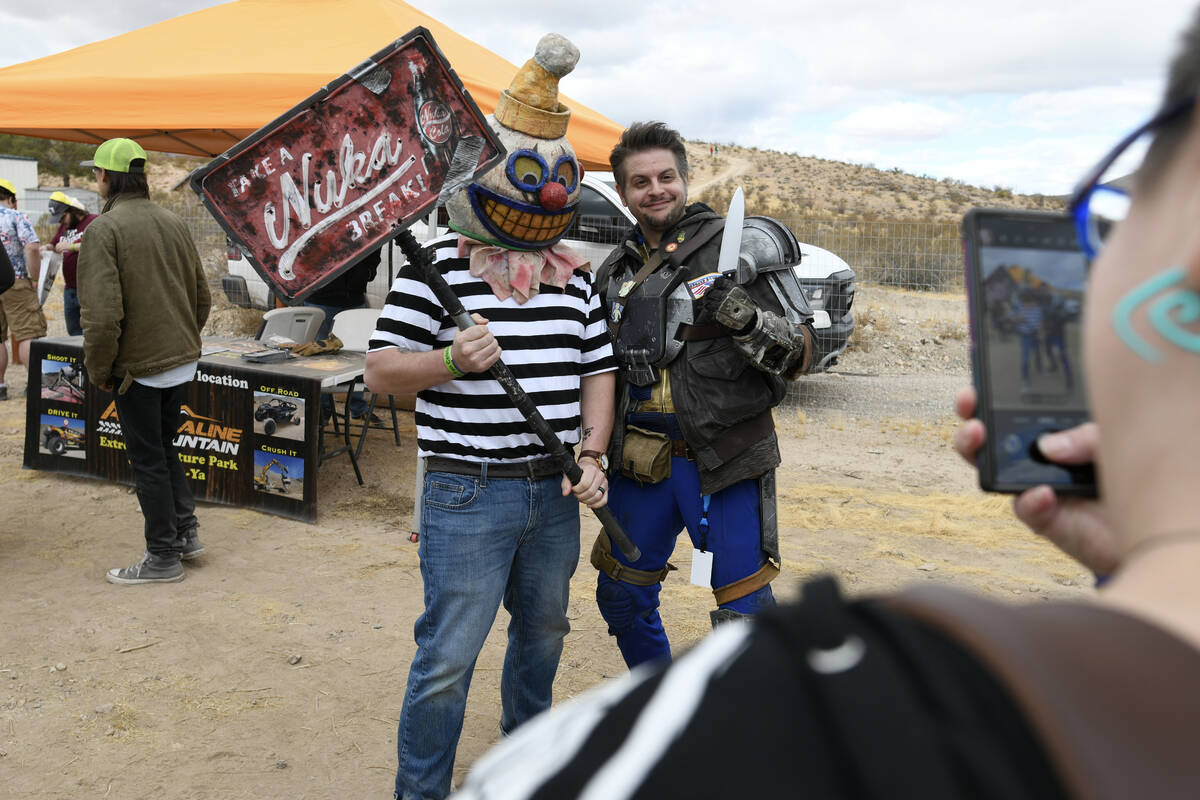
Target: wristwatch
597, 456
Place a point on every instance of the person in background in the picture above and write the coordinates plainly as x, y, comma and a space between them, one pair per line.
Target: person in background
346, 291
20, 312
143, 299
1028, 324
6, 272
73, 218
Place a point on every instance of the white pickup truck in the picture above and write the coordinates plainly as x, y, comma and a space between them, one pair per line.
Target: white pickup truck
828, 281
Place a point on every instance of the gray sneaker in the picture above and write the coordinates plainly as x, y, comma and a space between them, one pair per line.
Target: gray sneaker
190, 546
151, 569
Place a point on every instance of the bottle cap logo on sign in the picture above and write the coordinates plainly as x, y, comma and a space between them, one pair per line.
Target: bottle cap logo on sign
435, 121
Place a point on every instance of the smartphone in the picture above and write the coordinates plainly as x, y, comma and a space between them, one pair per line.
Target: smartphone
266, 356
1025, 277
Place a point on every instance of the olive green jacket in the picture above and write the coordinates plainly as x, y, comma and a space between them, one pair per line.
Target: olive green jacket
142, 292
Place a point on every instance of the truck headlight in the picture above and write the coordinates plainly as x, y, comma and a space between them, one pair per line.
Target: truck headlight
815, 296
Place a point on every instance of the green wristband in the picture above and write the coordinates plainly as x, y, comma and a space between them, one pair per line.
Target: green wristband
451, 367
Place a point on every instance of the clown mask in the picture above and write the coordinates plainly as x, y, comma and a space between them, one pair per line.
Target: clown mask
528, 201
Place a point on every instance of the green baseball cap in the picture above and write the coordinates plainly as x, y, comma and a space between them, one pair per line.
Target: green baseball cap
118, 155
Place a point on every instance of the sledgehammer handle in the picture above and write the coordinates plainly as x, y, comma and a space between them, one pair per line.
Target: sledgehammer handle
520, 399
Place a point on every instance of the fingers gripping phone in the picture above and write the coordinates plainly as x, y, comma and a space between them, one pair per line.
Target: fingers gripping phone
1025, 281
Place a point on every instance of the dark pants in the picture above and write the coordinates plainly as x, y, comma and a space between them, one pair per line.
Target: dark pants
71, 312
149, 420
358, 403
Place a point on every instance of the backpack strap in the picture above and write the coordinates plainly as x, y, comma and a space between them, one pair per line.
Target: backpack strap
627, 288
707, 230
711, 227
1114, 700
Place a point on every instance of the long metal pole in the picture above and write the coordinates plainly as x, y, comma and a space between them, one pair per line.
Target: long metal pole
520, 399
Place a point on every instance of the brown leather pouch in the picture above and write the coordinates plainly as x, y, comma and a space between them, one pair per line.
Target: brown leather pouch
646, 455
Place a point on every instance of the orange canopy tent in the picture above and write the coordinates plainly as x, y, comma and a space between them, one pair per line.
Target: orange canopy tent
199, 83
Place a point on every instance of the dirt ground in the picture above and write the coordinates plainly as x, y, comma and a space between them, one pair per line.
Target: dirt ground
277, 668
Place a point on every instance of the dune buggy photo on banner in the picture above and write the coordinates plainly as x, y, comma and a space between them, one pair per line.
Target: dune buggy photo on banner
244, 438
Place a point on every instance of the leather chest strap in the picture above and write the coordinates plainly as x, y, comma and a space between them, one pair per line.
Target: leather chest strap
652, 263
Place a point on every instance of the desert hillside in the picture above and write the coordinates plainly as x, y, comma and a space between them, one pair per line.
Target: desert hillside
787, 185
778, 184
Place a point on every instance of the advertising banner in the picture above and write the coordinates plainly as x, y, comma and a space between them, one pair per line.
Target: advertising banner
308, 195
246, 437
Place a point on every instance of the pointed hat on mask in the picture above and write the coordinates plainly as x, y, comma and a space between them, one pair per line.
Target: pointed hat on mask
530, 104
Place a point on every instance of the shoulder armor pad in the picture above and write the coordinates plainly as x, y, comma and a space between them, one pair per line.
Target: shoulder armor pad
767, 245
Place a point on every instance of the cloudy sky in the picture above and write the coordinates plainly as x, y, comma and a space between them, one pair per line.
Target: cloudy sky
1023, 93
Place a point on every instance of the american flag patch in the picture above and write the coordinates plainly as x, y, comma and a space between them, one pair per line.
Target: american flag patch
699, 286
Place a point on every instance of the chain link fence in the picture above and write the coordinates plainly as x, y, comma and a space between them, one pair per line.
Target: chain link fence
209, 238
926, 256
914, 255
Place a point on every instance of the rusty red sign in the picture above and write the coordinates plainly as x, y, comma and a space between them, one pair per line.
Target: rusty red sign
309, 194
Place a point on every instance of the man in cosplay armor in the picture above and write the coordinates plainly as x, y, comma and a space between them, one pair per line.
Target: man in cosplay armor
705, 355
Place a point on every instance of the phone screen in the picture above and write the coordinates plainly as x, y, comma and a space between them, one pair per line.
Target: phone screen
1027, 284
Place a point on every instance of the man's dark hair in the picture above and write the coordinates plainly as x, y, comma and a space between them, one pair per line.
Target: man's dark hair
1183, 80
642, 136
5, 194
128, 183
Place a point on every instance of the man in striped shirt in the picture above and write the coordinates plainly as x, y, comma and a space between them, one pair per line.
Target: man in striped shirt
1029, 328
498, 522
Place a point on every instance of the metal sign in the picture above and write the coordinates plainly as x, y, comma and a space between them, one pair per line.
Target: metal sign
309, 194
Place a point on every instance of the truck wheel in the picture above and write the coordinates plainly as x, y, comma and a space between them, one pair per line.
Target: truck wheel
259, 414
269, 426
297, 419
56, 445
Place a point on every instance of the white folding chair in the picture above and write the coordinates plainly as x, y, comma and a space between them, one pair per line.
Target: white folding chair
298, 323
354, 328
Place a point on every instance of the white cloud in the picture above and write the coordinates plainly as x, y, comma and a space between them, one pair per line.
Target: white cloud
34, 29
925, 85
1050, 165
899, 121
1125, 105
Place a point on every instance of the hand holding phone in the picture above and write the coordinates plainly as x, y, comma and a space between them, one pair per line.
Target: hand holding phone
1076, 525
1025, 283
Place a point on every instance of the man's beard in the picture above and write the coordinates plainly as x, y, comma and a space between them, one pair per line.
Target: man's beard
668, 220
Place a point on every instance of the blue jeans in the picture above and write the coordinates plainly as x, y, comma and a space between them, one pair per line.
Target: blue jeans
1030, 349
484, 541
358, 404
71, 312
653, 515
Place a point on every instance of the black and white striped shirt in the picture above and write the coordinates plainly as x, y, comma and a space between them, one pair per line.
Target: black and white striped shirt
822, 699
550, 344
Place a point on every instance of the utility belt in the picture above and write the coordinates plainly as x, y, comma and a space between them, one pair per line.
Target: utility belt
533, 470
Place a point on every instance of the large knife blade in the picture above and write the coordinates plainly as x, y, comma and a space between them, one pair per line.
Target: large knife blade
731, 238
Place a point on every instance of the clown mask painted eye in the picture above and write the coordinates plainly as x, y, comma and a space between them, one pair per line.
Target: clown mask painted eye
566, 172
527, 170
